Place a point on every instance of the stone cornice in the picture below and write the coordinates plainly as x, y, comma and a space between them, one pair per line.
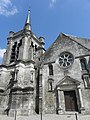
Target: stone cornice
18, 61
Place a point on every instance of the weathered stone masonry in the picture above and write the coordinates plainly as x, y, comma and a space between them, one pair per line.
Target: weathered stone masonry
52, 81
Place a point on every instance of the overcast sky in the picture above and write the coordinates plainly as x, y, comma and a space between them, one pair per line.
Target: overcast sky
48, 18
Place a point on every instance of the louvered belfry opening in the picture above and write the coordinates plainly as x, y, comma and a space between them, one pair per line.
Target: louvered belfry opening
15, 51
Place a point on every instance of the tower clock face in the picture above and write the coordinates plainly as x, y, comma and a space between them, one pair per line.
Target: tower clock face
66, 59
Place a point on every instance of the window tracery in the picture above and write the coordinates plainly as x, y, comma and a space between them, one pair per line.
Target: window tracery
65, 59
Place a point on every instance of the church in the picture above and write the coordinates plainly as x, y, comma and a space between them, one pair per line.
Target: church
53, 81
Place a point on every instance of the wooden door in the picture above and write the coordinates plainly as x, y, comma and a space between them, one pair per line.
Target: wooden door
70, 101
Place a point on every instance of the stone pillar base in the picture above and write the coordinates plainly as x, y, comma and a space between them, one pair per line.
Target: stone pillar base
82, 108
59, 110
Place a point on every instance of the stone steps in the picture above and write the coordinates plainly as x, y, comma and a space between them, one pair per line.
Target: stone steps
47, 117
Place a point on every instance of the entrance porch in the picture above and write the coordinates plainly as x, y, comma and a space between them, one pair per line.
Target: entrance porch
68, 96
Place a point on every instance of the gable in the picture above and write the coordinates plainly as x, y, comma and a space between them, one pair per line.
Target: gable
67, 81
64, 43
83, 41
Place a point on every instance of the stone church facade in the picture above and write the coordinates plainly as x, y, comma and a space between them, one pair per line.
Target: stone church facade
52, 81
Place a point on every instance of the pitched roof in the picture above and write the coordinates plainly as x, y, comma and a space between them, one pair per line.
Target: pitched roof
83, 41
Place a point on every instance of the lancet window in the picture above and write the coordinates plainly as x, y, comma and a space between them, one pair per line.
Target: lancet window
50, 69
50, 85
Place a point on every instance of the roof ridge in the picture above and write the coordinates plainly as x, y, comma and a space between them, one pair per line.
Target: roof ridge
69, 35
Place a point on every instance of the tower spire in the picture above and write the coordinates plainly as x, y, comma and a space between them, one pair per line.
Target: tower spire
27, 23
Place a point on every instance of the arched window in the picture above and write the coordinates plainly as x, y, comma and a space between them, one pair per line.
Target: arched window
83, 63
50, 85
50, 69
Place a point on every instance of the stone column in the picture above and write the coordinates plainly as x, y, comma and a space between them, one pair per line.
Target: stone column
81, 99
85, 83
59, 99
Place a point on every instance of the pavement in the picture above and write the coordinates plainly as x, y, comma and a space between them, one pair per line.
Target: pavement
47, 117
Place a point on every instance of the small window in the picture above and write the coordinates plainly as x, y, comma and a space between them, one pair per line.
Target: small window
32, 44
32, 77
39, 59
83, 63
50, 69
50, 85
35, 47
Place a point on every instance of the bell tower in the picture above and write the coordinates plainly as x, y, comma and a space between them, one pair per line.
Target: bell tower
23, 45
22, 57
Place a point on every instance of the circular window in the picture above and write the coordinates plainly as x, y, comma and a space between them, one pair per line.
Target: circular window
65, 59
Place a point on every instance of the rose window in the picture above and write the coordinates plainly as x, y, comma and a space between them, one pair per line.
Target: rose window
65, 59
